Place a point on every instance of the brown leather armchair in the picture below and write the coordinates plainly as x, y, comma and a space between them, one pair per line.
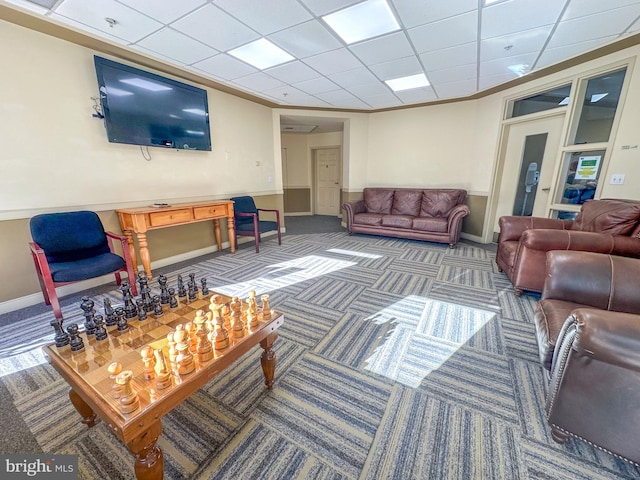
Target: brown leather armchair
588, 331
603, 226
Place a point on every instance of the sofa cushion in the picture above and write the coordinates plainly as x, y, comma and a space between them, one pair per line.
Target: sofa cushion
367, 219
430, 224
398, 221
616, 217
407, 202
378, 200
439, 202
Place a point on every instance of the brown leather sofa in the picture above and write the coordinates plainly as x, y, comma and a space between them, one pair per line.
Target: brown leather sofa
588, 328
603, 226
420, 214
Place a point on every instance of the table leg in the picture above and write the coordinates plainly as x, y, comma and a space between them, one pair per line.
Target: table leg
144, 253
216, 231
149, 458
268, 359
132, 251
85, 411
232, 234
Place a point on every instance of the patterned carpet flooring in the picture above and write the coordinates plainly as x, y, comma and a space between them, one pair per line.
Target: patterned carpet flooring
398, 359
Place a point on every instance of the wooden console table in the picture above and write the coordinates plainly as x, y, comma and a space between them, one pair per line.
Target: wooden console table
139, 220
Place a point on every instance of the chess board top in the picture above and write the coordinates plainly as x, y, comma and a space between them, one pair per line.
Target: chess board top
87, 370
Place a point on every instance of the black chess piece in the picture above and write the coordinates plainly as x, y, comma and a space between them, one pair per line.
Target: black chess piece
143, 281
88, 312
192, 288
142, 313
205, 289
101, 332
182, 292
75, 340
121, 318
130, 309
109, 313
157, 306
164, 292
173, 301
61, 337
123, 322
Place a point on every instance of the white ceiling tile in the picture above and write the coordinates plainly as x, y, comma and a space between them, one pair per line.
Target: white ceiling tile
450, 57
177, 46
306, 39
159, 56
334, 61
258, 82
131, 25
493, 80
164, 11
555, 55
357, 76
456, 74
336, 96
517, 65
292, 72
594, 26
322, 7
512, 16
445, 33
266, 16
286, 94
227, 34
581, 8
424, 94
383, 49
413, 13
456, 89
90, 30
397, 68
317, 85
369, 89
225, 66
517, 43
382, 101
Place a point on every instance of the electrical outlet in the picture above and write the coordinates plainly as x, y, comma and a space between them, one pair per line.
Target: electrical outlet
617, 179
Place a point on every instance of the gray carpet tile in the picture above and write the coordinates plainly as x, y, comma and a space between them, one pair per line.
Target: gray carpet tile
397, 360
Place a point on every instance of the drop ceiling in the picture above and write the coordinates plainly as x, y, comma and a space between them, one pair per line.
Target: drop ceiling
462, 46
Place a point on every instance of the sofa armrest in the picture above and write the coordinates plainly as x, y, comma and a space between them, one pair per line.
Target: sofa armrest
454, 222
353, 208
610, 337
512, 227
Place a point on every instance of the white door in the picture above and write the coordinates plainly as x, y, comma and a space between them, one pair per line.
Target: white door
327, 181
529, 174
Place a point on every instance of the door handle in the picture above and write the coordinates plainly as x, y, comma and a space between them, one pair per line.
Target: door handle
546, 189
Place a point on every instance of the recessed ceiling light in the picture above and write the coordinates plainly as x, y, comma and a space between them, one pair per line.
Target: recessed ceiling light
146, 84
490, 2
406, 83
261, 54
597, 97
116, 92
519, 69
362, 21
564, 101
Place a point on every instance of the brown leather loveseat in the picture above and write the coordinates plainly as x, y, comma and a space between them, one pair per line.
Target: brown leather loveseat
603, 226
420, 214
588, 329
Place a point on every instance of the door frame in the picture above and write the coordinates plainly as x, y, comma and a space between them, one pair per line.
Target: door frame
314, 179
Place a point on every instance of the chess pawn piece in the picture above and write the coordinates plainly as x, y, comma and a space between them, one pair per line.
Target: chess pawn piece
251, 300
129, 400
114, 369
173, 301
142, 313
266, 309
109, 313
253, 319
148, 359
157, 307
101, 332
184, 359
123, 323
75, 340
61, 337
182, 292
173, 353
205, 288
163, 374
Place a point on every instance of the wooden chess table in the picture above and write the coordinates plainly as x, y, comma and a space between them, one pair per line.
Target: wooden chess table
92, 391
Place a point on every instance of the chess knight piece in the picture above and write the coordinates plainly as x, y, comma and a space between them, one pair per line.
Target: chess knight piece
114, 369
129, 400
61, 337
163, 374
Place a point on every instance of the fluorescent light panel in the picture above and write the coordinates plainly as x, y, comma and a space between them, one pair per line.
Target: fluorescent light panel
407, 83
146, 84
261, 54
564, 101
362, 21
597, 97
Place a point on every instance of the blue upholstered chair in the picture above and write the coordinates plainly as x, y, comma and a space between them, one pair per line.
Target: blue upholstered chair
71, 247
247, 220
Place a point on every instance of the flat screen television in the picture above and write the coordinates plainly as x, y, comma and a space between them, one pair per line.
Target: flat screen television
142, 108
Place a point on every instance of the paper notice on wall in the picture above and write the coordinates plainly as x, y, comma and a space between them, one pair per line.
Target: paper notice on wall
588, 168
